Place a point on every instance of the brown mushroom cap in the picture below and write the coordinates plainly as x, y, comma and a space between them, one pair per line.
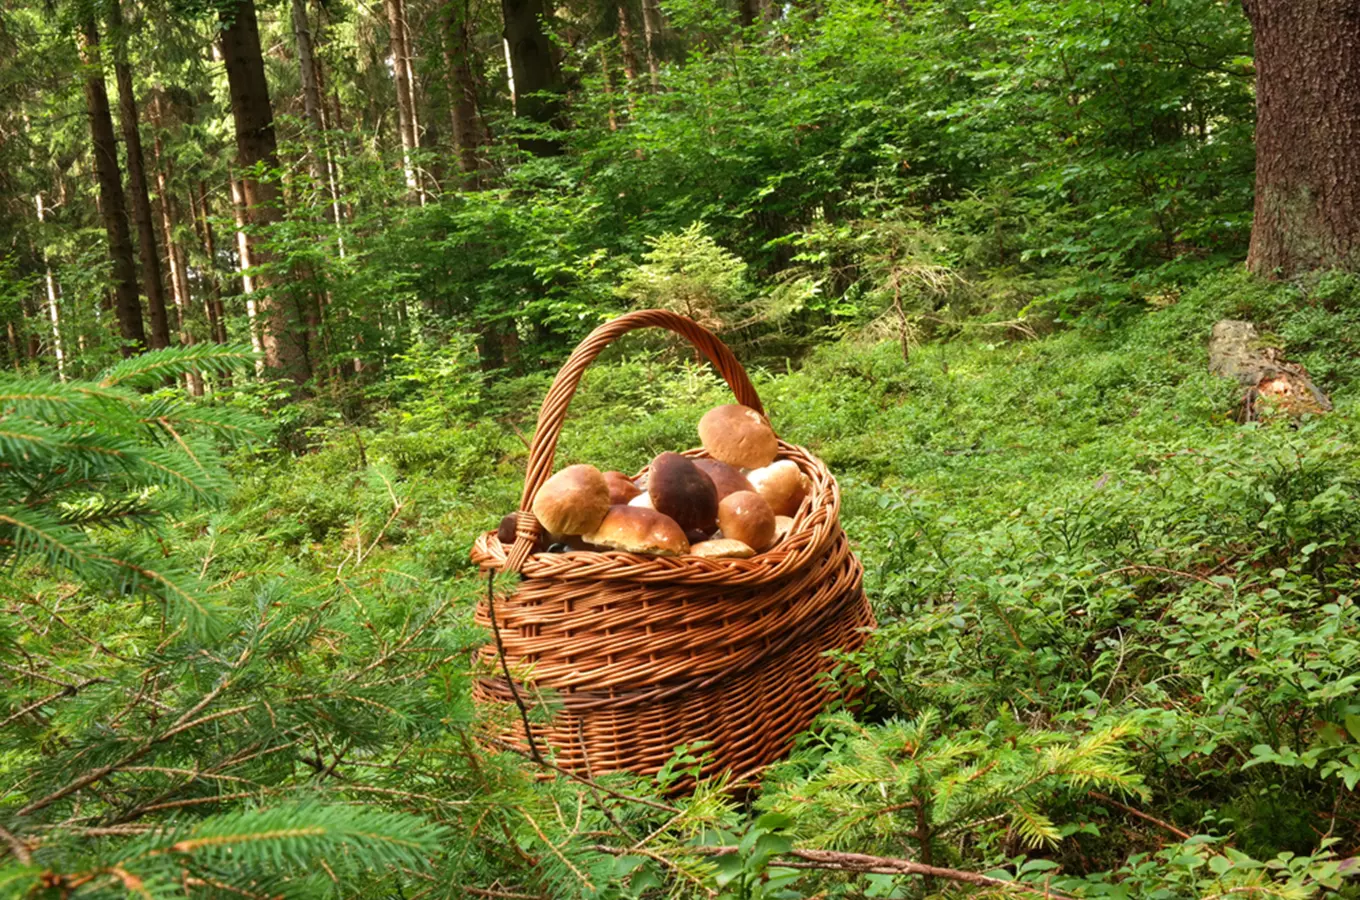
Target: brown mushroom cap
725, 478
782, 484
746, 517
681, 490
738, 436
722, 548
573, 501
505, 532
621, 488
635, 529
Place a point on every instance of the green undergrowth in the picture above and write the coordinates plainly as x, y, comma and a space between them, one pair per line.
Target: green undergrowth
1117, 652
1062, 537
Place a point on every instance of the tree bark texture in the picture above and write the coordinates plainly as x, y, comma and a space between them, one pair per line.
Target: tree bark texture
283, 339
1307, 136
112, 204
537, 81
174, 256
462, 87
53, 296
401, 60
152, 284
212, 294
651, 32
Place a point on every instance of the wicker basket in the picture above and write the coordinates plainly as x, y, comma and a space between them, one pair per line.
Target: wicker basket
639, 654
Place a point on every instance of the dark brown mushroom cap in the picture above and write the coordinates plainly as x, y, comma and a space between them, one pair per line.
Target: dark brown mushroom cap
726, 479
680, 489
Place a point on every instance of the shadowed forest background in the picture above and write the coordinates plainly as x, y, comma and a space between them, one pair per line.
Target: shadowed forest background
282, 285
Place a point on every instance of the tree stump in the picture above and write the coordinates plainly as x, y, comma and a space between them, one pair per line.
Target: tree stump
1237, 351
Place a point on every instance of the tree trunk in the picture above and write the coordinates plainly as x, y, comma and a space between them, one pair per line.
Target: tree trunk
630, 63
174, 254
112, 205
1307, 136
212, 295
152, 285
537, 83
238, 208
53, 296
462, 90
651, 32
284, 340
396, 24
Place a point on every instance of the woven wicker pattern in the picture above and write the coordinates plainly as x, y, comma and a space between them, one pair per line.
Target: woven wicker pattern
639, 654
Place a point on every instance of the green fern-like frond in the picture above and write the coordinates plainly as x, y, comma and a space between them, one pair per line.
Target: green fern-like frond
1033, 827
296, 837
31, 532
150, 369
38, 397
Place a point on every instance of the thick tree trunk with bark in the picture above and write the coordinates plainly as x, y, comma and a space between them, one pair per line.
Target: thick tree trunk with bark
1307, 136
537, 81
112, 205
462, 88
152, 284
283, 336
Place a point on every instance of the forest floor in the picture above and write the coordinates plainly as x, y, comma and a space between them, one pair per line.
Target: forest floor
1069, 533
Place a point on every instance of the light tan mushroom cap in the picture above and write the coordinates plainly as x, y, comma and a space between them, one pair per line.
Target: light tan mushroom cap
782, 484
636, 529
573, 501
738, 436
722, 548
746, 517
782, 526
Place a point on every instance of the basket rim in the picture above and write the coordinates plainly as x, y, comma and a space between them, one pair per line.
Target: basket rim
815, 526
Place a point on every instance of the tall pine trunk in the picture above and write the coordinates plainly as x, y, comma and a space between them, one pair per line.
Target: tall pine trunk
401, 60
253, 323
651, 32
212, 293
112, 205
283, 336
537, 83
152, 284
1307, 136
53, 295
174, 255
462, 90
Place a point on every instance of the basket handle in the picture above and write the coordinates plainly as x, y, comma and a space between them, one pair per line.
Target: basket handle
553, 412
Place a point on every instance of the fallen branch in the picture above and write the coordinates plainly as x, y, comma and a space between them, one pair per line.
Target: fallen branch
836, 861
1138, 813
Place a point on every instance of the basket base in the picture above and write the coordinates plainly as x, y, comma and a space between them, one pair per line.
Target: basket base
747, 721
